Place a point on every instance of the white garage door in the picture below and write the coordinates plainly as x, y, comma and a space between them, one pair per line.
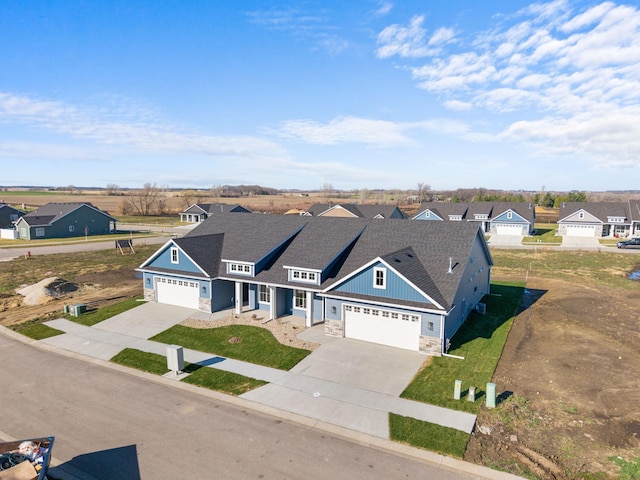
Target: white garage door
508, 229
181, 293
581, 230
382, 326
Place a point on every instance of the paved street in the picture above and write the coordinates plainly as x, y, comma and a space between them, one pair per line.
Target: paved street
115, 425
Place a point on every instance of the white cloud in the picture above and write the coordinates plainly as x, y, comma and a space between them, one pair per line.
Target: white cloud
410, 41
568, 77
137, 131
384, 9
346, 130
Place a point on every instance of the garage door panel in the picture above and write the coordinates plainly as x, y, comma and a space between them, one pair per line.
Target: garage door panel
382, 328
581, 230
508, 229
181, 293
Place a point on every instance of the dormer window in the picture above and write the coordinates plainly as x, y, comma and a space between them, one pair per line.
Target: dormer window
240, 268
306, 276
380, 278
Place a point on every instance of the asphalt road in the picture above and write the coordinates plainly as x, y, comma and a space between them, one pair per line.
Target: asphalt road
113, 426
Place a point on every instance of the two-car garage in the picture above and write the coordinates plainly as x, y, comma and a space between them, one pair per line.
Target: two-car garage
381, 326
182, 293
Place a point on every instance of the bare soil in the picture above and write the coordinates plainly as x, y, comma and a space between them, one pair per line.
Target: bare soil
570, 382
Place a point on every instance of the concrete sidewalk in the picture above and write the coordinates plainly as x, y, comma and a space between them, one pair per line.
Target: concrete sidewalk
347, 406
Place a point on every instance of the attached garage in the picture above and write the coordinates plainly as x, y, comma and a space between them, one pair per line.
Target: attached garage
581, 230
382, 326
508, 229
181, 293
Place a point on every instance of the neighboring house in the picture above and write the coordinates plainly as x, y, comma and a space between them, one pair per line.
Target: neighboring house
9, 215
501, 218
59, 220
598, 219
634, 210
405, 284
199, 212
352, 210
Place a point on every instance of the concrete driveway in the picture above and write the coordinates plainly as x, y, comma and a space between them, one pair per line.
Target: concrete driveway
496, 240
580, 242
145, 321
372, 367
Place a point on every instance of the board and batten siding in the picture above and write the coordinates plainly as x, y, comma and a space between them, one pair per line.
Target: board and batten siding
184, 263
396, 287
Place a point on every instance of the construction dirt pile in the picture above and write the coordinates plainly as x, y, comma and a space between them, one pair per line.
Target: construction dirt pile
45, 290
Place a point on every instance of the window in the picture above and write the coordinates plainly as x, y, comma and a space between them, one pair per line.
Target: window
385, 314
174, 255
241, 269
509, 214
303, 276
264, 294
300, 299
366, 311
348, 308
39, 232
379, 277
72, 228
394, 315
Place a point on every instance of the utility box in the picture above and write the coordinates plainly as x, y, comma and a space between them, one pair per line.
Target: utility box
77, 309
175, 358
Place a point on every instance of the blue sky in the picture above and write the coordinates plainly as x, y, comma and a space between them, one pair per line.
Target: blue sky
366, 94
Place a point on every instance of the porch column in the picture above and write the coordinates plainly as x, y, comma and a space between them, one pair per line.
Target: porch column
309, 310
239, 299
273, 305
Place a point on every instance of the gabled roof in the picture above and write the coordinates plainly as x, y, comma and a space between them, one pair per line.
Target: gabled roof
468, 211
634, 210
215, 208
443, 209
52, 212
357, 210
526, 210
419, 251
603, 211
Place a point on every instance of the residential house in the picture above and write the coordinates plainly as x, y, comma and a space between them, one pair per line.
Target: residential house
351, 210
405, 284
501, 218
598, 219
199, 212
9, 216
59, 220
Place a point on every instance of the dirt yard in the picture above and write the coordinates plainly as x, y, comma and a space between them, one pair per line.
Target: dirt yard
570, 380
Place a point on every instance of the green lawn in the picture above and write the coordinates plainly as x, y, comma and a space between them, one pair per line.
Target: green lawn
36, 330
429, 436
210, 378
248, 343
544, 233
92, 317
480, 341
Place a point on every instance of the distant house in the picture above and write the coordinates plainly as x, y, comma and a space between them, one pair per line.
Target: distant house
500, 218
9, 215
60, 220
199, 212
352, 210
599, 219
404, 284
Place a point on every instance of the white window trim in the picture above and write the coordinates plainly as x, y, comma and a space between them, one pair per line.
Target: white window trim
304, 275
175, 257
384, 278
266, 291
238, 268
39, 232
303, 299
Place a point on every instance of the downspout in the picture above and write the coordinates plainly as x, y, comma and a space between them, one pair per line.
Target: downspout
442, 343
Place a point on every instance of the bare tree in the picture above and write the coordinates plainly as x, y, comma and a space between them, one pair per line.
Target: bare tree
146, 201
112, 189
327, 189
364, 193
216, 192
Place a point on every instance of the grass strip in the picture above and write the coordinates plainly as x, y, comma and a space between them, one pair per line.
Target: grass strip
480, 341
211, 378
242, 342
35, 330
92, 317
429, 436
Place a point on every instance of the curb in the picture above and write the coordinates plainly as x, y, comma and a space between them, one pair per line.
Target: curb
382, 444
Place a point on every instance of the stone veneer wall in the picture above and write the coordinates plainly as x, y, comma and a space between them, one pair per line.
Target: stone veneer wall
334, 328
204, 305
149, 295
430, 346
